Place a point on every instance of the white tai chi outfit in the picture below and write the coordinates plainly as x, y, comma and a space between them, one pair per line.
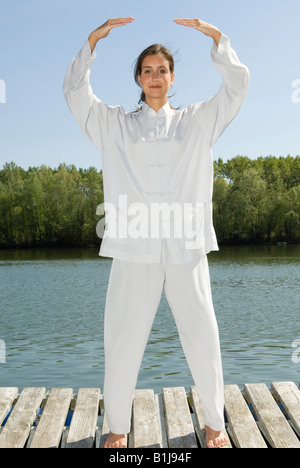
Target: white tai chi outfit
158, 165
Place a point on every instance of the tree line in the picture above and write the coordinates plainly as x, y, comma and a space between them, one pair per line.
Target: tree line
255, 201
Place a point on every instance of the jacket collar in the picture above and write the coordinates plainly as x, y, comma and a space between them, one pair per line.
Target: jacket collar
165, 110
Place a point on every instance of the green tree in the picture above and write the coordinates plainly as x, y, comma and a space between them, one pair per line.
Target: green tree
254, 201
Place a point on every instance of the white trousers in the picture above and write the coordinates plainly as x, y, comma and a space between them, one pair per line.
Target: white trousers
133, 296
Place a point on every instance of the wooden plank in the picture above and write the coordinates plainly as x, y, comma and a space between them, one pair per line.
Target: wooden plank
146, 421
51, 425
241, 424
272, 422
84, 421
7, 397
180, 428
160, 409
288, 395
200, 426
200, 423
104, 432
17, 428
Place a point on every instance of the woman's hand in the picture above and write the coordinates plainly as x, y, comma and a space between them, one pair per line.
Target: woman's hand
205, 28
104, 30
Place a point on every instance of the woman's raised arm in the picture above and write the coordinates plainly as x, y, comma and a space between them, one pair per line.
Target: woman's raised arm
217, 112
104, 30
205, 28
96, 119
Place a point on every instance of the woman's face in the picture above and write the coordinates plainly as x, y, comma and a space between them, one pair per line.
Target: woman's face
156, 78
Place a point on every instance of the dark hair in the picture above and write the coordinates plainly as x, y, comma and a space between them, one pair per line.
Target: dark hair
154, 49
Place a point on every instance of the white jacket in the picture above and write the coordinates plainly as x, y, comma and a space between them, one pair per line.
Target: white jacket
157, 163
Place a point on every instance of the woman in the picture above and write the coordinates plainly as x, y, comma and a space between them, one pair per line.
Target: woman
158, 182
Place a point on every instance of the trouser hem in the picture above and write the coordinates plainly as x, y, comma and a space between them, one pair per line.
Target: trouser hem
216, 427
119, 429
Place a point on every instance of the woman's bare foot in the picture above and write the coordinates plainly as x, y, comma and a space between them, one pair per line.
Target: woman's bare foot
215, 439
116, 441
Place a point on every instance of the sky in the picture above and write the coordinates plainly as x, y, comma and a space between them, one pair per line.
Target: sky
39, 38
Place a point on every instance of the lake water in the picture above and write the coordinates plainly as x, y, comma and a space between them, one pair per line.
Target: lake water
52, 308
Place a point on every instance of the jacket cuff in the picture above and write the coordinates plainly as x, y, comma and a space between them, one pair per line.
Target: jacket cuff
86, 54
224, 43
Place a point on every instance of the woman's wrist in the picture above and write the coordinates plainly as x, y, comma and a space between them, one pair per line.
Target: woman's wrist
93, 39
216, 35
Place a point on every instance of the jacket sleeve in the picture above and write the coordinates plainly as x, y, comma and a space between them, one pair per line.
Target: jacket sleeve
97, 120
217, 112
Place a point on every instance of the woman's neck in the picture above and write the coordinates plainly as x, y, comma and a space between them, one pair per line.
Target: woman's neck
156, 104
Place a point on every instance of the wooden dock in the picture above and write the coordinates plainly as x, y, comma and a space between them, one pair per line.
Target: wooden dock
256, 417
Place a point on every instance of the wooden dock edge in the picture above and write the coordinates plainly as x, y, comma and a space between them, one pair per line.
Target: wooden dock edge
256, 417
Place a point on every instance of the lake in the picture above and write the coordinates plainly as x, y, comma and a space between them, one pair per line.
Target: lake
52, 310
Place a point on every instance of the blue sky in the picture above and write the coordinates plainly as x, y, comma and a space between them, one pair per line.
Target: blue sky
38, 39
